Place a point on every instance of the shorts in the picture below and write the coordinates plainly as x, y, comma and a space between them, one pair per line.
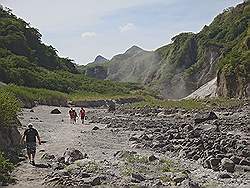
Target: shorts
31, 147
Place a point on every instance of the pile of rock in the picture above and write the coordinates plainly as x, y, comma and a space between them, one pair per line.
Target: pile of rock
205, 139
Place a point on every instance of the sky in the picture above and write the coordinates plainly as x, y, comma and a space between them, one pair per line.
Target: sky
83, 29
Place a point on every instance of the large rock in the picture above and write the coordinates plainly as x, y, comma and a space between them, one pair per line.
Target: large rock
71, 155
227, 164
55, 111
210, 116
214, 163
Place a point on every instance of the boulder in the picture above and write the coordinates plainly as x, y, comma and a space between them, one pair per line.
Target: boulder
214, 163
210, 116
236, 159
111, 107
189, 184
55, 111
71, 155
227, 164
96, 181
244, 162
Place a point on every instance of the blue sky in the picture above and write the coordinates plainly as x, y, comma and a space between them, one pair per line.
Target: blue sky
83, 29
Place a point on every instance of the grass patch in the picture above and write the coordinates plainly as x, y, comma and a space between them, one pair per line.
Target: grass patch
88, 166
187, 104
136, 159
42, 96
88, 96
167, 166
135, 163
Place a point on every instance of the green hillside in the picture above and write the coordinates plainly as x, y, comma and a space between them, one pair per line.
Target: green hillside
26, 61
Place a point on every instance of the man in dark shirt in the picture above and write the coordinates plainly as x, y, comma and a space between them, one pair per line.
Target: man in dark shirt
30, 136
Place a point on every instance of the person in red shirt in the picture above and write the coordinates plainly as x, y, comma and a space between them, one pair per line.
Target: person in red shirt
82, 115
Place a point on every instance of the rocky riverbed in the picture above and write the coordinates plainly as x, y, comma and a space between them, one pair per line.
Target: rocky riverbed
140, 148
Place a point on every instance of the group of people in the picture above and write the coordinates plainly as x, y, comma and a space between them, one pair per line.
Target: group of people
31, 135
73, 115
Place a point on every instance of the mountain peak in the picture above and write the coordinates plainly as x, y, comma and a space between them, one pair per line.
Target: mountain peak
100, 59
133, 50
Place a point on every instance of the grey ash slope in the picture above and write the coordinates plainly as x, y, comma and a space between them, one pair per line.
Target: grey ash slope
135, 65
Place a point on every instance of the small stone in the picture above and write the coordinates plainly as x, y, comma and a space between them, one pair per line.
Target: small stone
180, 177
189, 184
47, 156
152, 158
85, 175
95, 128
224, 176
138, 176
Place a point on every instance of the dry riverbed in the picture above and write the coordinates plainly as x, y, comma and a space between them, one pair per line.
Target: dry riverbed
137, 148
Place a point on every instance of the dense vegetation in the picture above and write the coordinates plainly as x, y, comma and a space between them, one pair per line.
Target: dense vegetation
26, 61
9, 106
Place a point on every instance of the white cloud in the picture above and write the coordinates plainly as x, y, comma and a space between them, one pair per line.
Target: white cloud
127, 27
88, 35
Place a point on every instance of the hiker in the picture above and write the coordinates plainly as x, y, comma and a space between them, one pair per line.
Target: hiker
82, 115
71, 115
30, 136
74, 115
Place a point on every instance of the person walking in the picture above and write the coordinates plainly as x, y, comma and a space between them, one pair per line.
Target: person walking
82, 115
71, 115
30, 135
74, 116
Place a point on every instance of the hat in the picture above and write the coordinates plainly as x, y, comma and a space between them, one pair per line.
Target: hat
30, 125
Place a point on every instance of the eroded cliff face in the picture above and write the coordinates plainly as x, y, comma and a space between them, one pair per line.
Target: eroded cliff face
9, 136
232, 84
186, 66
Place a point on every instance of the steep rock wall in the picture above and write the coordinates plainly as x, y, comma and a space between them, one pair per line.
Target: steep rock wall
9, 135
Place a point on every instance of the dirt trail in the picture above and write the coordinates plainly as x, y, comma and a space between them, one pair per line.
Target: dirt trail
58, 134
